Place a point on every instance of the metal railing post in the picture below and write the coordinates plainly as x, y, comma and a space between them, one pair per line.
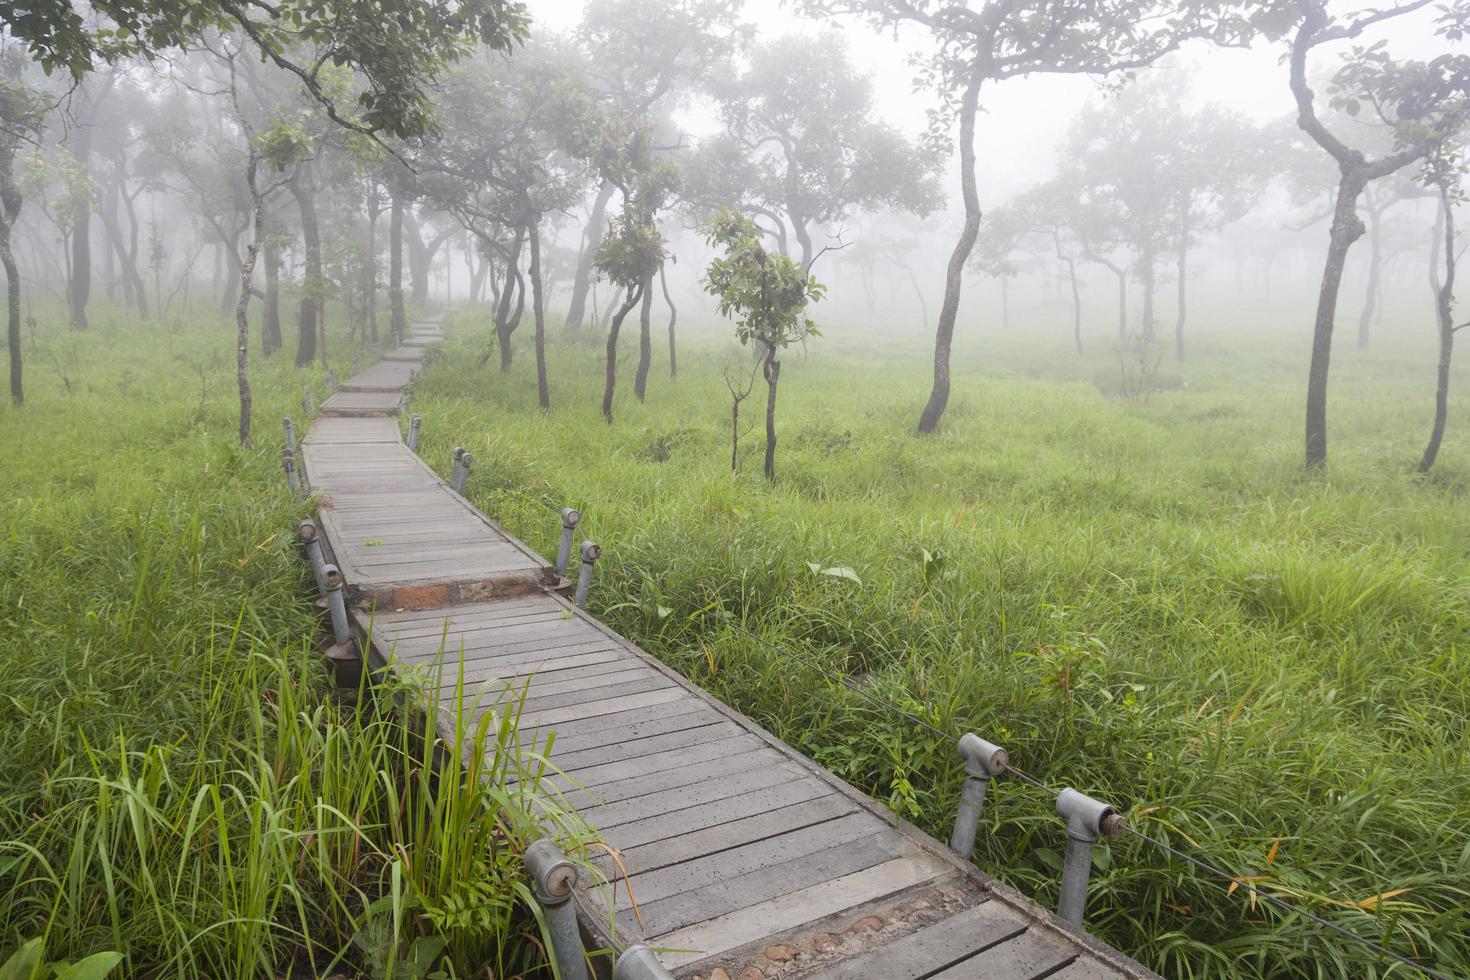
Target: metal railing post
554, 877
308, 402
455, 465
290, 429
331, 380
639, 963
590, 554
307, 532
982, 761
356, 363
413, 433
288, 463
1087, 820
336, 605
570, 518
462, 479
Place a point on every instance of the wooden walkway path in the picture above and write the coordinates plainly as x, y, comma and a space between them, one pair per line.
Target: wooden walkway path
747, 859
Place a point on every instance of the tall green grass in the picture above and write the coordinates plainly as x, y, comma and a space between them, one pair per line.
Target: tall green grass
1149, 602
178, 782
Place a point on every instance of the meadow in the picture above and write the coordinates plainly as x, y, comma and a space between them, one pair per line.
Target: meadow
181, 792
1143, 598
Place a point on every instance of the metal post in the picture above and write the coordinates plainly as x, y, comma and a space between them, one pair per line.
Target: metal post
331, 380
1087, 820
463, 478
336, 606
307, 532
288, 463
639, 963
570, 518
454, 466
308, 402
290, 428
554, 877
590, 554
356, 363
413, 433
982, 761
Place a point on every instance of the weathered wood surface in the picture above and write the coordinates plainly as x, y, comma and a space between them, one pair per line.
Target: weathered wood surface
742, 854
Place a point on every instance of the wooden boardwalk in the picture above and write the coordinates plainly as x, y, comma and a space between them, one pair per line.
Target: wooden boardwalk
746, 858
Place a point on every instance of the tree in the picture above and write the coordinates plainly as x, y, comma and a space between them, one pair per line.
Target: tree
648, 58
1005, 39
1420, 101
397, 47
801, 145
1442, 173
20, 121
767, 296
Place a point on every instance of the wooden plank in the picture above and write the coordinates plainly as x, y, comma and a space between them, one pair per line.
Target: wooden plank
688, 777
723, 896
710, 791
1030, 955
628, 727
607, 753
1086, 969
933, 948
722, 837
555, 716
686, 753
697, 942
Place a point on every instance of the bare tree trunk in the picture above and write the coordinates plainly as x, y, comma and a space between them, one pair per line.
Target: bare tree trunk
514, 290
79, 289
772, 372
1183, 272
1347, 228
1076, 303
9, 209
242, 309
538, 311
418, 258
645, 340
311, 286
923, 303
1005, 302
1375, 266
270, 318
633, 299
398, 327
1147, 274
663, 283
370, 264
582, 281
949, 311
1444, 295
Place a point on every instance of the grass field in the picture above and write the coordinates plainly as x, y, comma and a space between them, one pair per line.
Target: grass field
178, 786
1148, 601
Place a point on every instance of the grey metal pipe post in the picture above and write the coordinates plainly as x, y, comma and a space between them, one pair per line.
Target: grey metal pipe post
1087, 820
288, 463
639, 963
454, 466
331, 380
463, 479
336, 606
982, 761
308, 402
307, 532
413, 433
356, 363
290, 428
554, 877
570, 518
590, 554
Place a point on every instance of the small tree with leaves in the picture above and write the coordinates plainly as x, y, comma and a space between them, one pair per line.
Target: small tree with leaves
766, 294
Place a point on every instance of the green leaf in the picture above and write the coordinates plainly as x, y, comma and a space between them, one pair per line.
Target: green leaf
840, 571
94, 967
23, 962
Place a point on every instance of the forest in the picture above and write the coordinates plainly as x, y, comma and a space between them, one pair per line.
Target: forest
1079, 374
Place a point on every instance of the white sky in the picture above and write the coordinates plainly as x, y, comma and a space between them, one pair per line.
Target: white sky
1027, 117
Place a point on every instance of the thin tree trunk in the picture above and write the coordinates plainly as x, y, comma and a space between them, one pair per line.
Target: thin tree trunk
582, 281
418, 258
1347, 228
1375, 266
772, 372
1076, 303
538, 312
645, 340
611, 383
311, 286
399, 326
10, 200
79, 289
370, 266
663, 283
949, 311
1183, 271
923, 303
1005, 302
505, 321
1444, 294
242, 309
270, 318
